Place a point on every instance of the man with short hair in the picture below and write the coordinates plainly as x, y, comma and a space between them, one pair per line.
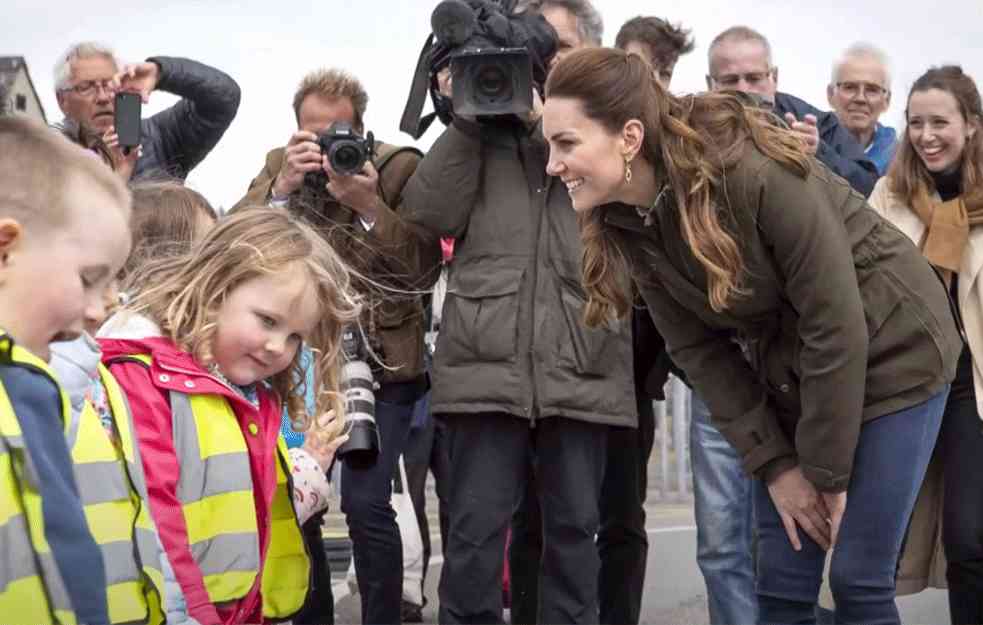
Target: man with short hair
740, 60
860, 92
174, 141
658, 42
361, 215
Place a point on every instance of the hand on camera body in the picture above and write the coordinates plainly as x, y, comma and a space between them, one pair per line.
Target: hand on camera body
302, 155
356, 191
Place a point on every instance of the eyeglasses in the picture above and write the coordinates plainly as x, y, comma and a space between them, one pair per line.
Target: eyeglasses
88, 88
731, 81
866, 90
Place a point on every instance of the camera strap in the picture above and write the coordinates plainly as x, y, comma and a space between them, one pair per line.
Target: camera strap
384, 154
411, 122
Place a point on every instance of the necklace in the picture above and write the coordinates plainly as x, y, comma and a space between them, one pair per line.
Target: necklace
646, 213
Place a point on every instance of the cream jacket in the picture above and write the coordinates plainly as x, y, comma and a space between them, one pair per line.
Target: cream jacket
970, 288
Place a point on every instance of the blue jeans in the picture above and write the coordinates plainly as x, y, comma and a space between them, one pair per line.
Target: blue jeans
889, 466
724, 514
365, 493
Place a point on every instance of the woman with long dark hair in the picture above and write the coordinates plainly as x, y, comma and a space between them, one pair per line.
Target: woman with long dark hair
933, 192
819, 337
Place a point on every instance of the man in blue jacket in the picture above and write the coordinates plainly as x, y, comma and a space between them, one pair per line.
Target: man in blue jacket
740, 60
174, 141
860, 92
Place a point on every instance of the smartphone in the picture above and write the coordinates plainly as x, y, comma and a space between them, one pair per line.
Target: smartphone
128, 119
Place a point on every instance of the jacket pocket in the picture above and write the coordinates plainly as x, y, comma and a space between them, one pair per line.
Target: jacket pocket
480, 316
589, 351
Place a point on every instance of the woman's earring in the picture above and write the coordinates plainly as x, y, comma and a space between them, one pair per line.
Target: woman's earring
627, 170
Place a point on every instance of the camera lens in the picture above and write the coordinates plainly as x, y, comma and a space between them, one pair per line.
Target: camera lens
346, 157
492, 82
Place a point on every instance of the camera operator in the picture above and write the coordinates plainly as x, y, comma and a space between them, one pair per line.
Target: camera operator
516, 373
360, 214
174, 141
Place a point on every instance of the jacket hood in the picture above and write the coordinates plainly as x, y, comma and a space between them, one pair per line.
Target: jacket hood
76, 365
127, 334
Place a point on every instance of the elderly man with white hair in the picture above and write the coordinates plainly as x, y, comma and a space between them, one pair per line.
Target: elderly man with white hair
88, 76
860, 92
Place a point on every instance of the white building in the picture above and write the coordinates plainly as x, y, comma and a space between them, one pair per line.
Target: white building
15, 82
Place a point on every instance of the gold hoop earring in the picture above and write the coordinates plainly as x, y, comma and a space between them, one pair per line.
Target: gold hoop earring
627, 170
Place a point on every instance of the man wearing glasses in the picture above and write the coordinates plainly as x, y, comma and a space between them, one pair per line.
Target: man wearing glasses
740, 60
860, 92
174, 141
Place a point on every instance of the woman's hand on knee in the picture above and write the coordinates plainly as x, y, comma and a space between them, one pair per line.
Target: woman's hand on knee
799, 504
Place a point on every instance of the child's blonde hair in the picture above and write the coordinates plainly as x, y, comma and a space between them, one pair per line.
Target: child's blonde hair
185, 293
166, 221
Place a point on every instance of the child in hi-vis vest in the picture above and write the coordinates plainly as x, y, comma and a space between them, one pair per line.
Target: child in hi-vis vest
207, 354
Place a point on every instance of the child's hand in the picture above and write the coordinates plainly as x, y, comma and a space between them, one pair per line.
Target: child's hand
315, 444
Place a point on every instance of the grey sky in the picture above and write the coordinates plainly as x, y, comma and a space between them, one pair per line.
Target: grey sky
268, 46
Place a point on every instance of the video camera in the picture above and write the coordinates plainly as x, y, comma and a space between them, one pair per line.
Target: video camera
496, 57
347, 153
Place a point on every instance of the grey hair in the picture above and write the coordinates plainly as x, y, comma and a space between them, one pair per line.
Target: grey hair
862, 50
590, 26
740, 33
83, 50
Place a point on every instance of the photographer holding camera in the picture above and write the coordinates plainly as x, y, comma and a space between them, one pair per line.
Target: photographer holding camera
517, 375
350, 187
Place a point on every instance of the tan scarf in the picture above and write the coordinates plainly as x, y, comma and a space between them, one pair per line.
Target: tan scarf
946, 230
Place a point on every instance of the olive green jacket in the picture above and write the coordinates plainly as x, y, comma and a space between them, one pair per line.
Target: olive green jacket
511, 337
843, 320
401, 260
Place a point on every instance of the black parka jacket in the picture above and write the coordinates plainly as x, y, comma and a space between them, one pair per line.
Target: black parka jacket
178, 138
511, 337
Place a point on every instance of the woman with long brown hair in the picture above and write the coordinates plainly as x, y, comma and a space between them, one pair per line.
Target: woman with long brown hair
933, 192
819, 337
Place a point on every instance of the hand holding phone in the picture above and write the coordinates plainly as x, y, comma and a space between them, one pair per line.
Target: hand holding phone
127, 120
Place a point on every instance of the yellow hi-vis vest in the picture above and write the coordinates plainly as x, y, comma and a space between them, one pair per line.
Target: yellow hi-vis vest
32, 590
114, 498
215, 489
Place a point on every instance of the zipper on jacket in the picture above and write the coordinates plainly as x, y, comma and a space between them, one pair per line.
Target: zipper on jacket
540, 191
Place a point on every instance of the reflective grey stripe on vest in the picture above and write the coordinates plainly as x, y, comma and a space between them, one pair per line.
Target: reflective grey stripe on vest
120, 565
18, 560
227, 552
225, 473
101, 482
148, 549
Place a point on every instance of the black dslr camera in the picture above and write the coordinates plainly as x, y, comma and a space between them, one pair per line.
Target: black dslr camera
496, 57
347, 153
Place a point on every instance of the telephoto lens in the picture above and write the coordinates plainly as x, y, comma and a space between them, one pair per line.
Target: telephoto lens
357, 383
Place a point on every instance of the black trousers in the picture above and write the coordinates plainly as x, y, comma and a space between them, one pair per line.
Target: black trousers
365, 499
426, 451
489, 459
319, 605
622, 542
961, 440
